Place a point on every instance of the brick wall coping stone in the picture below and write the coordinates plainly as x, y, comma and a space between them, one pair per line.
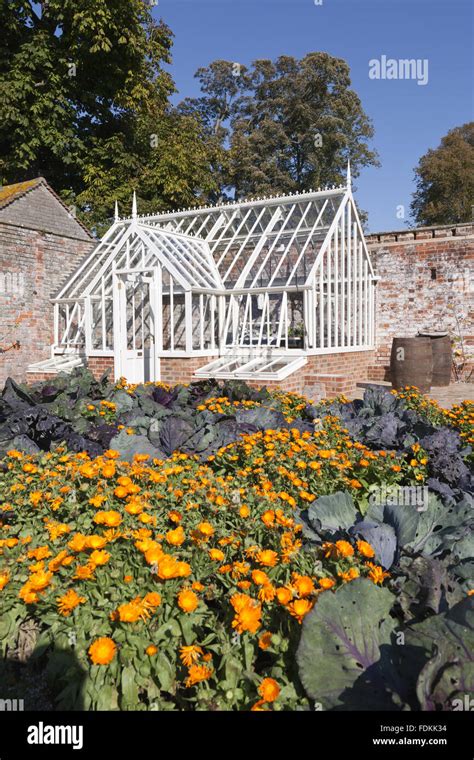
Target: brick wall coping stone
464, 230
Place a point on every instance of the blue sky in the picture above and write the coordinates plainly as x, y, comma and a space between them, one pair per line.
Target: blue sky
408, 118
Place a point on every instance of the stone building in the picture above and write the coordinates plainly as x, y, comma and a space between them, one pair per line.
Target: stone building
41, 243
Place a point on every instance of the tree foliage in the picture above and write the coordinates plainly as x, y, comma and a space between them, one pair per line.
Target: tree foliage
286, 125
445, 180
84, 98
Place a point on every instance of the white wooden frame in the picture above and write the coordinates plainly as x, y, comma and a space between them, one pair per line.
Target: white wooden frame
232, 271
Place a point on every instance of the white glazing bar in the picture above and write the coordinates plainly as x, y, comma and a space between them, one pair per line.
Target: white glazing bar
356, 281
366, 305
329, 296
321, 302
171, 320
201, 317
343, 283
314, 326
262, 317
250, 300
336, 287
272, 247
238, 254
244, 322
281, 321
188, 317
361, 294
349, 277
104, 326
56, 324
232, 240
133, 346
307, 242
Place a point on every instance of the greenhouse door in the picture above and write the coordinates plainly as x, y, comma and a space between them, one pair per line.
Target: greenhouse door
135, 315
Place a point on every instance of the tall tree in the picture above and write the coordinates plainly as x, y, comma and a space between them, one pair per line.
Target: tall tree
84, 102
445, 180
286, 125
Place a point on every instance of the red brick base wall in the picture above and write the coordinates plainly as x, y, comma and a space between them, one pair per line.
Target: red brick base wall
100, 364
181, 370
327, 375
173, 371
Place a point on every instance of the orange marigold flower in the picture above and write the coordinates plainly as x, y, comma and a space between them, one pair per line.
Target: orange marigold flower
269, 690
4, 578
69, 601
365, 549
303, 585
152, 599
284, 595
206, 529
151, 650
260, 577
102, 650
376, 573
77, 542
268, 517
84, 572
99, 557
266, 593
111, 518
267, 557
39, 581
350, 574
249, 613
95, 542
326, 583
188, 600
240, 568
216, 554
174, 516
27, 594
344, 548
299, 608
190, 654
244, 511
198, 673
132, 611
265, 640
176, 537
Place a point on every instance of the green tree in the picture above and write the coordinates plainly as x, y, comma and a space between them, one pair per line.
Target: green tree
84, 101
445, 180
287, 125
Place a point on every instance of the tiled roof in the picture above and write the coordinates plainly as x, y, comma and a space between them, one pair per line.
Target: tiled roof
10, 193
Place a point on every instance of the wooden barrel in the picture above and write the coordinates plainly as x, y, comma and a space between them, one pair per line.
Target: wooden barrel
442, 357
411, 363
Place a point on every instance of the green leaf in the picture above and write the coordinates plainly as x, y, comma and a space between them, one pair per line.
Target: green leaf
129, 688
341, 644
333, 512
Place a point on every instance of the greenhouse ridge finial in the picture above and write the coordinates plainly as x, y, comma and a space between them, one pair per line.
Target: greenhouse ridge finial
116, 216
134, 205
348, 172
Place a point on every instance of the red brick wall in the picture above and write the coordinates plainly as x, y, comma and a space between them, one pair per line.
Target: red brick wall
182, 370
408, 300
100, 364
33, 266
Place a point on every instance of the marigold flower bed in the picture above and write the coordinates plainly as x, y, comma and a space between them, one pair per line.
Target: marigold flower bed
180, 583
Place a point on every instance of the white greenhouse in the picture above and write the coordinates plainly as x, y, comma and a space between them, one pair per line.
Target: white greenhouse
252, 288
